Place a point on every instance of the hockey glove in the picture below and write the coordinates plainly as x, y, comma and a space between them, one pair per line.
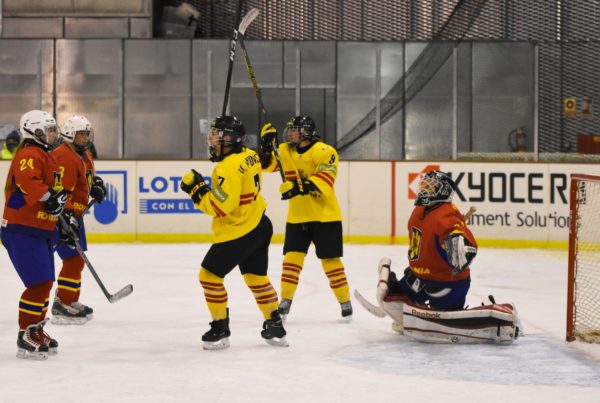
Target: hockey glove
267, 134
69, 234
56, 201
290, 189
98, 190
459, 252
194, 185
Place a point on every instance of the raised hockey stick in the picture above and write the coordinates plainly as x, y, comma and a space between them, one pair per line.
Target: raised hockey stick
251, 15
470, 212
261, 104
112, 298
371, 308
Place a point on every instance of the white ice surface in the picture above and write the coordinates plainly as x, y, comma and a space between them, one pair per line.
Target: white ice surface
147, 348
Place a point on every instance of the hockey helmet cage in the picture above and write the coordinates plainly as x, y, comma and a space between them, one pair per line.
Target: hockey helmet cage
435, 187
36, 124
305, 125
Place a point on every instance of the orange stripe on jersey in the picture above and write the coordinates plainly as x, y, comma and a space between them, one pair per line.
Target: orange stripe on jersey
324, 178
290, 173
247, 196
217, 210
242, 202
328, 175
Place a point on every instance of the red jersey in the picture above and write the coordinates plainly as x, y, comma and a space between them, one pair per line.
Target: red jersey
31, 173
76, 172
426, 233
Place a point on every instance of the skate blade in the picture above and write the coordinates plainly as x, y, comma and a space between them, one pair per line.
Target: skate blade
347, 319
61, 320
53, 351
278, 342
32, 355
216, 345
90, 317
397, 327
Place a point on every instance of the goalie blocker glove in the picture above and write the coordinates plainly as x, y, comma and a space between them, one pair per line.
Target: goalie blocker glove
193, 184
460, 252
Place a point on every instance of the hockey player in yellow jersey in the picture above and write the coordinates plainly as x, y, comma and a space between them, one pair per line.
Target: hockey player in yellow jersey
242, 231
310, 167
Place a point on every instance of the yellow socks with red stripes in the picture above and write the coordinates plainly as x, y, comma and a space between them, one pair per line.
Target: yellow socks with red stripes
69, 280
264, 293
214, 293
292, 266
334, 269
33, 304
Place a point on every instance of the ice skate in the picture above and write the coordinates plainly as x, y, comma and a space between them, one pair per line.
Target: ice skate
273, 331
48, 341
284, 308
346, 311
63, 314
89, 312
217, 338
30, 345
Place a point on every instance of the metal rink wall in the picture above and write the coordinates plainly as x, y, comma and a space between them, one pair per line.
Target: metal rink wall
566, 32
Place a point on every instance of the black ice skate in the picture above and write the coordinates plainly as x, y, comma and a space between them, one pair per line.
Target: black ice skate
284, 307
346, 310
48, 341
217, 338
30, 345
63, 314
89, 312
273, 331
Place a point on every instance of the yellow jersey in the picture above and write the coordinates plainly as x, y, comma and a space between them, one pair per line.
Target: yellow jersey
319, 164
235, 202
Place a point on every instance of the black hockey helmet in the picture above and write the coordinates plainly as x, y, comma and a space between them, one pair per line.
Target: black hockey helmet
231, 133
435, 187
305, 125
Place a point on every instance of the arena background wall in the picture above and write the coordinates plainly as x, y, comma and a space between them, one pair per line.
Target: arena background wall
518, 205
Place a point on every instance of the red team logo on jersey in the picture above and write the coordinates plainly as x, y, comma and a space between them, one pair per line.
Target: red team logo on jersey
414, 178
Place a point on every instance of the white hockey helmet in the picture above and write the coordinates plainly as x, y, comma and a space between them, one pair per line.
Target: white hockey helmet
74, 124
36, 124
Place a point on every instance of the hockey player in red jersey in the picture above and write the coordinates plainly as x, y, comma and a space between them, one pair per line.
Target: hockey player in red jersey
441, 247
428, 301
34, 199
79, 179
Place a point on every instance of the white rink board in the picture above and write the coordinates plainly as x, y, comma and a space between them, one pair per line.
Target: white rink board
515, 201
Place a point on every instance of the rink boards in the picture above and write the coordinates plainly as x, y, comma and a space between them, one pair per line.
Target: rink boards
518, 204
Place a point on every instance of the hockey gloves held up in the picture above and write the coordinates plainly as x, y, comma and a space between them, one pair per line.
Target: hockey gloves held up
69, 233
98, 190
56, 201
459, 252
194, 185
291, 189
268, 134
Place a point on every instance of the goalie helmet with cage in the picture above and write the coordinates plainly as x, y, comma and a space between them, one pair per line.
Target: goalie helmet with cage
74, 125
37, 126
306, 128
230, 131
435, 187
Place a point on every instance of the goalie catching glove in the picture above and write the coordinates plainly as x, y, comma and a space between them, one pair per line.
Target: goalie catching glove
193, 184
290, 189
460, 252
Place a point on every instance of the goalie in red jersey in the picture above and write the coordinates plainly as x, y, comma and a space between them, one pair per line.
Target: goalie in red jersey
428, 301
441, 247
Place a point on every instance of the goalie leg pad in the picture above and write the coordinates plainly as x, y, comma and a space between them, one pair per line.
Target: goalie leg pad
485, 324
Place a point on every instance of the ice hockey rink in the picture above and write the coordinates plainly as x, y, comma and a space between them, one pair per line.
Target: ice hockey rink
147, 347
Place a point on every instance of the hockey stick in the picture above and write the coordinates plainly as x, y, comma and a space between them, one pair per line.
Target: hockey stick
258, 94
232, 47
470, 212
371, 308
112, 298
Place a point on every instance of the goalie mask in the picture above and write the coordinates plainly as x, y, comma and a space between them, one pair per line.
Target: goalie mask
225, 131
305, 128
40, 127
77, 130
435, 187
